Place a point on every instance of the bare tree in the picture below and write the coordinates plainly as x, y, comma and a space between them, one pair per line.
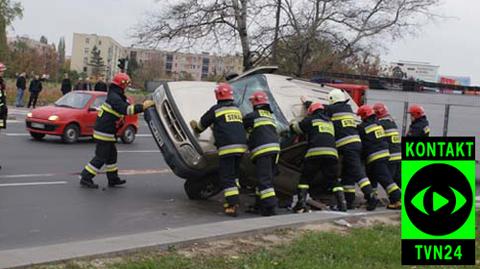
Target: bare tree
260, 27
349, 26
229, 24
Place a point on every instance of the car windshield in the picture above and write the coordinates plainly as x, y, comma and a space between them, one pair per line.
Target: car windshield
244, 88
73, 100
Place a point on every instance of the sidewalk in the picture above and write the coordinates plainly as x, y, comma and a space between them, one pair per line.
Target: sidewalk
163, 239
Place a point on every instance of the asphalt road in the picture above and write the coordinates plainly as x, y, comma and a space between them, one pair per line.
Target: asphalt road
42, 203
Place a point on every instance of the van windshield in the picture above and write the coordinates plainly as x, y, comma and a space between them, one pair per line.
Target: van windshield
244, 88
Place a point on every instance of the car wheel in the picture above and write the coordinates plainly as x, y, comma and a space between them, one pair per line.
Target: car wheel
37, 136
129, 135
201, 188
71, 134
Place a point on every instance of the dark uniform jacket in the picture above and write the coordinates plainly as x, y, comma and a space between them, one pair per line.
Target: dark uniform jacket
373, 140
419, 128
392, 136
320, 134
343, 119
230, 137
3, 105
261, 127
114, 109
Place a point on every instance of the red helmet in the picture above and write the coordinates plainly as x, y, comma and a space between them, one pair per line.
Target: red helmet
224, 91
365, 111
416, 111
2, 67
122, 80
259, 98
381, 110
314, 107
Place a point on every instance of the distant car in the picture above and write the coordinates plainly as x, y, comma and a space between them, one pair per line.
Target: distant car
73, 116
195, 157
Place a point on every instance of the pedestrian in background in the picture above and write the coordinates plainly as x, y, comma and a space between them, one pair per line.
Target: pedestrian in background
87, 85
34, 89
419, 126
21, 86
66, 85
100, 86
79, 85
3, 100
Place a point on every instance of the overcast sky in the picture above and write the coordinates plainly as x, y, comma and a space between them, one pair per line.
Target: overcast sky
452, 44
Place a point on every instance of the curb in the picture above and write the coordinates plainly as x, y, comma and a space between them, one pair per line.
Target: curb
22, 258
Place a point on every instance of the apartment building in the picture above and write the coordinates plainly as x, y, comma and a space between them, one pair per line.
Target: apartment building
110, 51
176, 64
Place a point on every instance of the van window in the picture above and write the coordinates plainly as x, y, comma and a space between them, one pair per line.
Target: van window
244, 88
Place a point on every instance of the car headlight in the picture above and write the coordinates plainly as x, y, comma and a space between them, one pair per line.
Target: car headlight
53, 118
29, 115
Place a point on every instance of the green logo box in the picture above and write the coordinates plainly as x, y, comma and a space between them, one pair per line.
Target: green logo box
438, 198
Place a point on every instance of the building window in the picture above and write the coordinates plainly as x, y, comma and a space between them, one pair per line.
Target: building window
169, 58
87, 40
86, 50
206, 61
85, 69
168, 66
99, 42
85, 60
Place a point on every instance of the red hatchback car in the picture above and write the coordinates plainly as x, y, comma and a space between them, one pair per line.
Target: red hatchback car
73, 116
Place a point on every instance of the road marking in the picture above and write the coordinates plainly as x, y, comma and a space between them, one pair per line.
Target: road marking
32, 184
120, 172
17, 134
143, 135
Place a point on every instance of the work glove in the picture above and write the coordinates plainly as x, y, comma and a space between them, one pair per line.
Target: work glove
194, 125
147, 104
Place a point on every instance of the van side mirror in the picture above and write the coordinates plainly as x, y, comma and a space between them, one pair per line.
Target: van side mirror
92, 109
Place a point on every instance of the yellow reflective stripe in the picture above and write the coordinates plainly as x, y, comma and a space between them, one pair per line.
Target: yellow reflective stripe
337, 189
103, 138
296, 128
303, 186
90, 170
392, 188
376, 156
344, 117
131, 110
348, 141
349, 190
265, 150
373, 129
270, 192
364, 184
111, 168
231, 151
110, 110
396, 158
232, 192
392, 133
321, 153
264, 123
227, 111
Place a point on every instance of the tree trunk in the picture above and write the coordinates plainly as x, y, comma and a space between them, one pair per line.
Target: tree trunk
241, 19
3, 40
277, 30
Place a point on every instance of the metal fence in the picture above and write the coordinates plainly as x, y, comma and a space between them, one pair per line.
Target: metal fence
448, 114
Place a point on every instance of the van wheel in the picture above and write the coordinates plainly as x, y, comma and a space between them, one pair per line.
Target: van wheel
201, 188
71, 134
37, 136
129, 135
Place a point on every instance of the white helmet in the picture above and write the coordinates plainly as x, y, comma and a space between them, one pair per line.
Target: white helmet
336, 96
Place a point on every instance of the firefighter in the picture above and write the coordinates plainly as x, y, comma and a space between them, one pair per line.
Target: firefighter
392, 136
376, 154
230, 140
264, 146
106, 126
419, 126
3, 100
349, 146
321, 156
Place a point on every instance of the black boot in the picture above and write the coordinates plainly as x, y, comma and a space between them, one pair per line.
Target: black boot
112, 182
339, 203
88, 183
350, 199
301, 205
372, 201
